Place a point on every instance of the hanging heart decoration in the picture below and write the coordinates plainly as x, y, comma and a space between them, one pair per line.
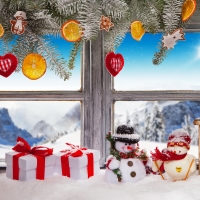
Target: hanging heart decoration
114, 63
8, 64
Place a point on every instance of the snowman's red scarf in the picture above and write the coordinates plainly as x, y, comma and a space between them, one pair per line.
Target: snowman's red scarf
166, 155
136, 153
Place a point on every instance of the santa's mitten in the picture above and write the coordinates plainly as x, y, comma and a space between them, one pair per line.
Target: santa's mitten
112, 163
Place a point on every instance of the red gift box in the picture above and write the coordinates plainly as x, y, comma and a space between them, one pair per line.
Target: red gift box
25, 161
77, 163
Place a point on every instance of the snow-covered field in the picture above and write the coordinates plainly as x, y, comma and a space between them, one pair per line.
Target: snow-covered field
62, 188
152, 187
74, 138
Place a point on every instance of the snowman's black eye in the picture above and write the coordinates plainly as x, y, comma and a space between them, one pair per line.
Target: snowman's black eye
129, 144
125, 144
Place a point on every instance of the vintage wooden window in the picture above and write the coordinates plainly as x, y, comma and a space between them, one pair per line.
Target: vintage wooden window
98, 96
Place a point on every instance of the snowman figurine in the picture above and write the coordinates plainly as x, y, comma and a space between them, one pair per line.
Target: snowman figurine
126, 163
174, 160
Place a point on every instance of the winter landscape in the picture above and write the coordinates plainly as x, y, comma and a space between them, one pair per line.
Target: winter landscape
62, 188
153, 121
150, 187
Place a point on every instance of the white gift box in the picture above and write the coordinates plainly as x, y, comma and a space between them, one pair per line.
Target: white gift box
78, 166
27, 166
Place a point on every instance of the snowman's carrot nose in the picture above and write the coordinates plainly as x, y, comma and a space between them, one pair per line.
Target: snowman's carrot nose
129, 148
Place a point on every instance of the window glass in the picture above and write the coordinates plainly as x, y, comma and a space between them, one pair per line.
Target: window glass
155, 120
49, 81
178, 71
47, 123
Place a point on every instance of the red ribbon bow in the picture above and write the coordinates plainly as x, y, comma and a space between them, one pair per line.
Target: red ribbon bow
39, 152
75, 151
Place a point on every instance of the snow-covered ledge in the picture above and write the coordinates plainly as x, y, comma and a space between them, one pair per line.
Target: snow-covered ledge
197, 122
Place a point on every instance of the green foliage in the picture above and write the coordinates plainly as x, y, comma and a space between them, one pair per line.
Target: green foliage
172, 15
45, 17
74, 52
89, 16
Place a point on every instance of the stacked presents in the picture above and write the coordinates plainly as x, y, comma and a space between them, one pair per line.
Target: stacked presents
26, 163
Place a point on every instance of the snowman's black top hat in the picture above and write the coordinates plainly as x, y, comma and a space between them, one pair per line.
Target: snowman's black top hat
125, 133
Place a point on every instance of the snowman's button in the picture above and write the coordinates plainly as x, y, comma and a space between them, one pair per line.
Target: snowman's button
130, 163
133, 174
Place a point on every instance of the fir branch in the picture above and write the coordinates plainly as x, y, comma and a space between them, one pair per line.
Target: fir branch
73, 54
35, 6
63, 10
58, 65
116, 35
29, 42
161, 55
149, 14
89, 16
172, 15
69, 7
44, 24
116, 9
24, 45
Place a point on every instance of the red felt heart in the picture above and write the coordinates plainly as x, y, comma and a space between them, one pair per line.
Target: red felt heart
114, 63
8, 64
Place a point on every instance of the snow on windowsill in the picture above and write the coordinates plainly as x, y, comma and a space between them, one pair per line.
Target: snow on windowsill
63, 188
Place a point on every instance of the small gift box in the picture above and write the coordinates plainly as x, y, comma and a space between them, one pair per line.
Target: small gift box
25, 163
77, 163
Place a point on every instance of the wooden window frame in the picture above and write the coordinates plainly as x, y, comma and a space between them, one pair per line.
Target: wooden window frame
97, 97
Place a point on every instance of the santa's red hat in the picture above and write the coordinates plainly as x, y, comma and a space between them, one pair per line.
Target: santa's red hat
180, 138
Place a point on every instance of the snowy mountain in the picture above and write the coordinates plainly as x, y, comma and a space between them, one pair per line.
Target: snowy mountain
9, 131
70, 122
43, 129
173, 115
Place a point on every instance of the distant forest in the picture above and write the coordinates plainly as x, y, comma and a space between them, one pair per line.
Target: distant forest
155, 125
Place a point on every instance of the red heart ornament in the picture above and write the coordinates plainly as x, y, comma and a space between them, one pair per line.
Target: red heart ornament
8, 64
114, 63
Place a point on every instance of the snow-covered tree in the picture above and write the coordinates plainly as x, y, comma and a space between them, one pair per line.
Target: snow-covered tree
191, 129
157, 125
127, 117
147, 121
137, 126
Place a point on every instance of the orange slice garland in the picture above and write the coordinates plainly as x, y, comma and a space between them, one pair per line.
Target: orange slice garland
1, 30
71, 31
34, 66
188, 8
137, 30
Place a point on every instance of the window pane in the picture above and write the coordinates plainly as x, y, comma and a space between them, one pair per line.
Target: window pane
49, 81
178, 71
155, 120
46, 123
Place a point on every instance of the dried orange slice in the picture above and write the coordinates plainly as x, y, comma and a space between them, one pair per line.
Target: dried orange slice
137, 30
1, 30
34, 66
188, 8
71, 31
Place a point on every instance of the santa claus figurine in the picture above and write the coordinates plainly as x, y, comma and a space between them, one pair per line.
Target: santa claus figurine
126, 162
174, 160
18, 25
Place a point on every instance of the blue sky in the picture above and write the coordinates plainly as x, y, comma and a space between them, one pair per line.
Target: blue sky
179, 70
17, 81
